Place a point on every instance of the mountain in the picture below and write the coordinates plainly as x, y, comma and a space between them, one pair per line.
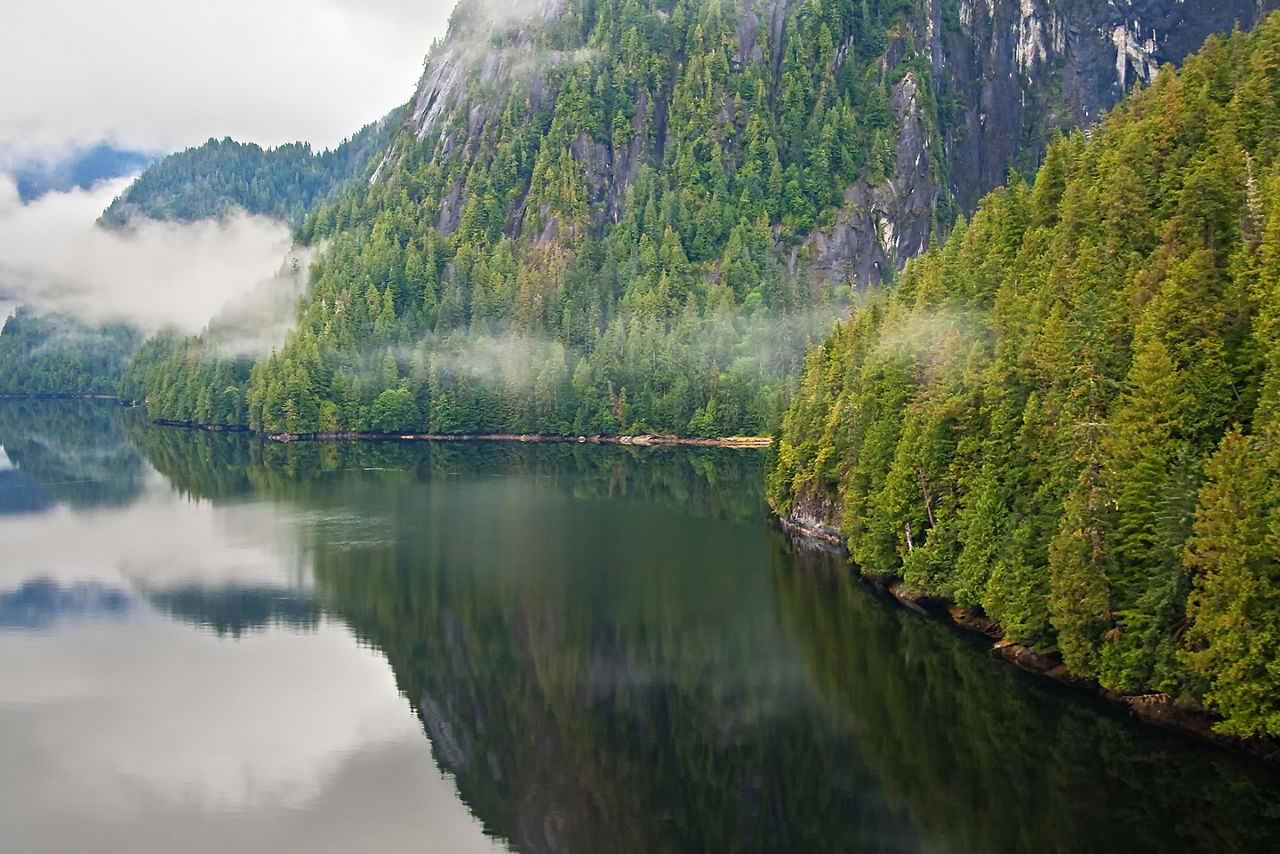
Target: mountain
81, 168
606, 216
222, 176
1068, 416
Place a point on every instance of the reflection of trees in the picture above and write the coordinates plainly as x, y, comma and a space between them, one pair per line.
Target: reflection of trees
622, 674
587, 692
985, 758
235, 610
20, 493
717, 483
76, 450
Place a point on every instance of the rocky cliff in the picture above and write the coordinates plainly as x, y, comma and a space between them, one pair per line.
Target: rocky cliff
976, 88
1005, 76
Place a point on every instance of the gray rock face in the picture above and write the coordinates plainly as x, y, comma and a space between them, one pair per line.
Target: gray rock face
1017, 71
1023, 68
1009, 71
880, 227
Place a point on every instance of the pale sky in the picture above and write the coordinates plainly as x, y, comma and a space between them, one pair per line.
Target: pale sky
161, 76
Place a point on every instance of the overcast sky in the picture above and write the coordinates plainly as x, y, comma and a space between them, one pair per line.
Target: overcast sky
161, 76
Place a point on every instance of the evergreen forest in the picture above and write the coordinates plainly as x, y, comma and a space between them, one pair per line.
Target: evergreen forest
222, 177
1068, 415
590, 239
54, 354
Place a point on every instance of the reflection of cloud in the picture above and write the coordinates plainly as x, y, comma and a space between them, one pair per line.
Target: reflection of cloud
152, 728
157, 541
151, 735
178, 714
155, 274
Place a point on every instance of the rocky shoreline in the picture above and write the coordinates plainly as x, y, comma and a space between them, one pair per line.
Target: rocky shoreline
1156, 709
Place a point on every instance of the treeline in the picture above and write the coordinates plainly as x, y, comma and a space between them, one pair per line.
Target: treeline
1069, 415
612, 221
55, 354
222, 177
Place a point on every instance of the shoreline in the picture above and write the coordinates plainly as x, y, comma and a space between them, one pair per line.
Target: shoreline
645, 440
62, 396
1154, 709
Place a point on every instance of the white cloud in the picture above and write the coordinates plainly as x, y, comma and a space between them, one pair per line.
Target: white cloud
53, 256
163, 76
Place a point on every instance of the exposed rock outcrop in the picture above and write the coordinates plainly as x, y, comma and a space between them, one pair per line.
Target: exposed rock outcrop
1002, 76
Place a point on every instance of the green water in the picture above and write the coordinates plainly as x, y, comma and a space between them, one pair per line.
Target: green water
211, 643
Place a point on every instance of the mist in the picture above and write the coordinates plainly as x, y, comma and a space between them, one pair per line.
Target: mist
54, 258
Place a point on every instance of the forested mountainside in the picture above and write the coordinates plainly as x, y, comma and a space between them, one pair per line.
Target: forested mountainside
54, 354
224, 176
1069, 415
628, 215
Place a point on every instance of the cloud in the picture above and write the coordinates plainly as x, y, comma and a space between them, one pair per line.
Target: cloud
156, 275
158, 76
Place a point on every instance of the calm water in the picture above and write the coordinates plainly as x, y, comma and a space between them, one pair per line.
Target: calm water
208, 643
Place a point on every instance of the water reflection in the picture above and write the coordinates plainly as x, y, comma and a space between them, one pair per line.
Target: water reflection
168, 682
597, 648
234, 610
70, 452
41, 603
983, 757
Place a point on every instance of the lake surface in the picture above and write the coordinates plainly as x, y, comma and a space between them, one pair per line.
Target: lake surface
211, 643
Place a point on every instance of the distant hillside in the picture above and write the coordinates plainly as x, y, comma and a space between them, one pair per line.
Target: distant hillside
53, 354
223, 176
81, 169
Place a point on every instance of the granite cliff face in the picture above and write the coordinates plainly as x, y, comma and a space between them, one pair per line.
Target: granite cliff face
1005, 75
1002, 76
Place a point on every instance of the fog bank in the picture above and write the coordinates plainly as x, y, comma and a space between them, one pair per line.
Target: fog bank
54, 258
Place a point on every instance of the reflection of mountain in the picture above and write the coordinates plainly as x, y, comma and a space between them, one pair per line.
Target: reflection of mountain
235, 610
603, 660
75, 450
600, 697
20, 494
576, 630
42, 602
982, 757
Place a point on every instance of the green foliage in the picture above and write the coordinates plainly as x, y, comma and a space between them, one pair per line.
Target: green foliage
614, 217
225, 176
58, 355
1024, 423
